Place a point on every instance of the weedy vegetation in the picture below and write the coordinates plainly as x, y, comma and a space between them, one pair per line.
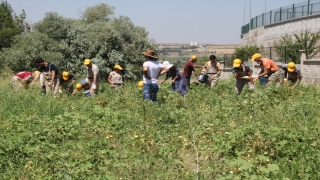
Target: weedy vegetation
210, 134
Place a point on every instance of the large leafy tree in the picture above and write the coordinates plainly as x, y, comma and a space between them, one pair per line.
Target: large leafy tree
67, 42
10, 24
98, 12
287, 48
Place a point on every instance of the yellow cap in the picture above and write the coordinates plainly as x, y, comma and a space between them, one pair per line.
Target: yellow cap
87, 61
118, 67
79, 87
36, 72
237, 62
140, 85
255, 56
291, 66
65, 75
193, 57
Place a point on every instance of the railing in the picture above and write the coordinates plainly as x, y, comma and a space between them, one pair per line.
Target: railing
307, 8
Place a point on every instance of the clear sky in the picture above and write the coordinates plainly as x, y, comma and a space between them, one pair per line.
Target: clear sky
167, 21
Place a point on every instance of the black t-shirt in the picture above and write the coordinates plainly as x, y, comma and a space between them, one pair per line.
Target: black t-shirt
48, 68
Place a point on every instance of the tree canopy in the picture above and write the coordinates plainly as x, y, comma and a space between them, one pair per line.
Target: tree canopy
10, 24
67, 42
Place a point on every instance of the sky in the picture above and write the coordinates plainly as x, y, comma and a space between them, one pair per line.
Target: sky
167, 21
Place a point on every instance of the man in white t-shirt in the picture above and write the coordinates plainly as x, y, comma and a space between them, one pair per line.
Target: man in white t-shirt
92, 76
151, 71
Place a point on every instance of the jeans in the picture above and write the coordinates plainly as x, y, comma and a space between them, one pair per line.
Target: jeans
150, 92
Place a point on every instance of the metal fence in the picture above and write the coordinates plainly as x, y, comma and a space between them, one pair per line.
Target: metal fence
307, 8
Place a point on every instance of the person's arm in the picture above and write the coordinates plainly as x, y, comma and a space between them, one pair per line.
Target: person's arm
145, 72
219, 69
163, 81
265, 72
74, 91
52, 78
250, 77
110, 81
175, 78
35, 79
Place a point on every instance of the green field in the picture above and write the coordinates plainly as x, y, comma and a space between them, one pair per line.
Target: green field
210, 134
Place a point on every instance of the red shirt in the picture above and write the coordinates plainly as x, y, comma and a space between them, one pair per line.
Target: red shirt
24, 75
188, 68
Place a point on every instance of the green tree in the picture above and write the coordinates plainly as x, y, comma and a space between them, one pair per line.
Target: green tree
67, 42
287, 48
245, 52
10, 24
98, 12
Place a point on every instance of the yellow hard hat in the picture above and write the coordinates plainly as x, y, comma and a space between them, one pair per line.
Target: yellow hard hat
237, 62
118, 67
36, 72
193, 57
291, 66
79, 87
140, 85
87, 61
255, 56
65, 75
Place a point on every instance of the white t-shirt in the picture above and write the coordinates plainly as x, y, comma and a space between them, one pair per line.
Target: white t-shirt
153, 71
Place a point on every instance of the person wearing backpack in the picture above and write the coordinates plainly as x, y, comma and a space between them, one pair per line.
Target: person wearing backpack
50, 74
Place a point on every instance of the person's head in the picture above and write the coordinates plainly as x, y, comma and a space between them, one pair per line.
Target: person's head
193, 58
87, 62
256, 57
291, 66
35, 73
40, 62
237, 63
150, 55
117, 68
167, 64
78, 87
140, 85
213, 58
65, 75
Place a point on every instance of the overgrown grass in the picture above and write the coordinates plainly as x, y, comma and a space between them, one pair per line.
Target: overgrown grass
209, 134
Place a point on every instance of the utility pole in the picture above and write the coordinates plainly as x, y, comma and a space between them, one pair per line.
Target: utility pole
250, 15
244, 12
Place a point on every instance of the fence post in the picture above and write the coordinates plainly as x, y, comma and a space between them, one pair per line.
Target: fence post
308, 13
293, 11
270, 52
270, 16
285, 54
280, 13
302, 59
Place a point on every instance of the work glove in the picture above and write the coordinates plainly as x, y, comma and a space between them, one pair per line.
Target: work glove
94, 86
70, 84
251, 86
285, 80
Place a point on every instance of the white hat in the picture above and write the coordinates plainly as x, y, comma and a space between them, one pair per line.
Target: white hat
167, 64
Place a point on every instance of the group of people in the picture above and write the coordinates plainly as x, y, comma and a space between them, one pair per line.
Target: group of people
53, 82
270, 74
